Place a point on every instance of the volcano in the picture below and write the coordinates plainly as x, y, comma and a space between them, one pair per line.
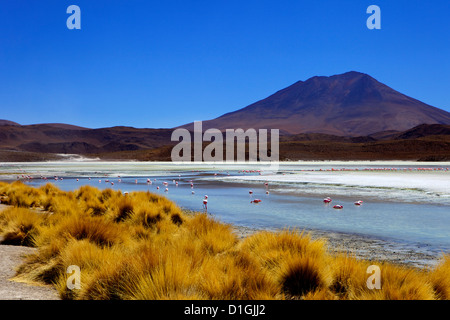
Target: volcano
349, 104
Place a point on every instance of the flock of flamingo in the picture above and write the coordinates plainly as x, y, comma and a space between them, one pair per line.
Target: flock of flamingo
204, 200
327, 200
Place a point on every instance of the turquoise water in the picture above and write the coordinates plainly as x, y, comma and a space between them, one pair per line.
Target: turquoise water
393, 211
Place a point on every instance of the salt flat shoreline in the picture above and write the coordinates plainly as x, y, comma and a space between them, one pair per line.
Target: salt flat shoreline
361, 247
431, 181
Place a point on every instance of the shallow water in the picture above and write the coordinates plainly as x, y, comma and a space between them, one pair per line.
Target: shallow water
410, 204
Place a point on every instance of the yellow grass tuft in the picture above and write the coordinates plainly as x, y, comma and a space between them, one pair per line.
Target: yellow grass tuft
303, 274
440, 278
19, 226
398, 283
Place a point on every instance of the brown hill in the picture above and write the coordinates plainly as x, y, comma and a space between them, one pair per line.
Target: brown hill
8, 123
62, 126
60, 138
424, 131
349, 104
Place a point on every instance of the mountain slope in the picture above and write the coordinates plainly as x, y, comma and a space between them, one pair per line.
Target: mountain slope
350, 104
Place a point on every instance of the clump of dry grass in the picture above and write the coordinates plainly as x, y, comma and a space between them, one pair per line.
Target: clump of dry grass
142, 246
349, 274
398, 283
19, 195
303, 274
295, 262
18, 226
440, 278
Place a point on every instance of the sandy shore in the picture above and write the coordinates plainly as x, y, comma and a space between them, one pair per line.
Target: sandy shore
367, 248
10, 258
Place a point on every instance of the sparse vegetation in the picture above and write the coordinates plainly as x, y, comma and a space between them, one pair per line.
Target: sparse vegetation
142, 246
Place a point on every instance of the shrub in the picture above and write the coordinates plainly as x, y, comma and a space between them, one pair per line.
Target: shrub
440, 278
19, 226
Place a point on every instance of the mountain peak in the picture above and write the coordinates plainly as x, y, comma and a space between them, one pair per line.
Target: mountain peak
346, 76
352, 74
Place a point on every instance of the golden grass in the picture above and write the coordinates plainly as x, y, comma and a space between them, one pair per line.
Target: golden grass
18, 226
398, 283
142, 246
440, 279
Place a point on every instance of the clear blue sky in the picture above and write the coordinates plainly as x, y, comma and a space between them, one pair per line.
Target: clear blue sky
166, 63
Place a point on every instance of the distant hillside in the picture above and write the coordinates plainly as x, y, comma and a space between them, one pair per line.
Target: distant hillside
62, 138
424, 131
62, 126
8, 123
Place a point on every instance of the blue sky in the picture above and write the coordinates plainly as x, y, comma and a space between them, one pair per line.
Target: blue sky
165, 63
